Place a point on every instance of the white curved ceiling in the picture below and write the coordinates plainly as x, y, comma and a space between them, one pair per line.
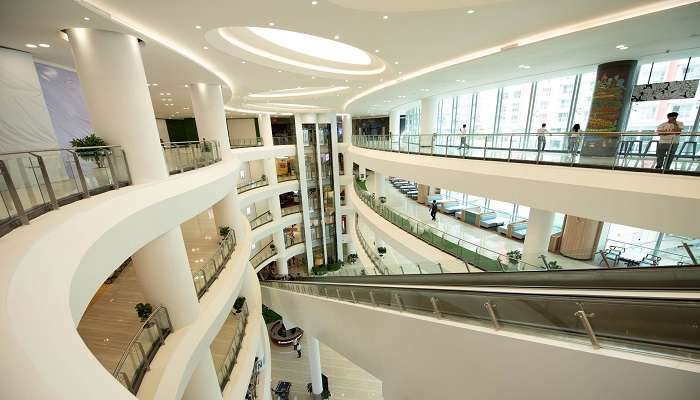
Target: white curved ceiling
415, 37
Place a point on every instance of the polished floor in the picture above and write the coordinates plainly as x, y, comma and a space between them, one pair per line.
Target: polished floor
110, 320
346, 380
489, 239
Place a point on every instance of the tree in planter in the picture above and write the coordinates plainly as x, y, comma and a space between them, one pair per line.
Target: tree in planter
553, 265
272, 247
224, 231
514, 256
381, 251
91, 140
238, 305
144, 310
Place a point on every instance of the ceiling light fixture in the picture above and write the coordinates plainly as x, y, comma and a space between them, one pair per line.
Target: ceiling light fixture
461, 80
205, 48
470, 11
425, 90
31, 46
396, 63
385, 17
400, 72
44, 45
86, 18
162, 94
197, 27
336, 37
313, 3
242, 62
523, 66
154, 84
167, 93
271, 23
621, 47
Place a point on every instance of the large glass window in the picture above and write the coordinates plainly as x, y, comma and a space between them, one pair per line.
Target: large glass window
485, 114
502, 207
464, 112
583, 102
553, 103
515, 100
445, 116
475, 201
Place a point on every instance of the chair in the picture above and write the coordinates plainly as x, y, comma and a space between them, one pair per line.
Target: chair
613, 254
650, 260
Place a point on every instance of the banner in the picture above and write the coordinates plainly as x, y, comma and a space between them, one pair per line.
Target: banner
665, 90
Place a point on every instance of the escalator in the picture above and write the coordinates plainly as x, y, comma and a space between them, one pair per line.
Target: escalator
627, 315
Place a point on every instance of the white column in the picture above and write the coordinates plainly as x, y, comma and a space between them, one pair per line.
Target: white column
210, 116
362, 171
227, 212
336, 185
379, 184
347, 138
539, 230
350, 222
165, 277
428, 121
303, 187
314, 353
113, 81
395, 122
204, 384
265, 126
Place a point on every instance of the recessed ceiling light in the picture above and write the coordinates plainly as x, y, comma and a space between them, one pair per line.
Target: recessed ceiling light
381, 79
523, 66
400, 72
313, 77
396, 63
186, 85
336, 37
197, 27
86, 18
242, 62
425, 90
170, 99
622, 47
205, 48
279, 70
167, 93
31, 46
385, 17
271, 23
162, 94
185, 108
461, 80
401, 97
154, 84
376, 50
313, 3
359, 87
470, 11
44, 45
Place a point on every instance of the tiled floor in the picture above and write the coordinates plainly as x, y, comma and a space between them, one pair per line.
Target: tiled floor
110, 320
482, 237
346, 380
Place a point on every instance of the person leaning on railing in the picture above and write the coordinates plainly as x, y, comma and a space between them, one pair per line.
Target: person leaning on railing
668, 140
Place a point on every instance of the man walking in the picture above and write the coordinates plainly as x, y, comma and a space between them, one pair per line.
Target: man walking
297, 347
433, 210
668, 140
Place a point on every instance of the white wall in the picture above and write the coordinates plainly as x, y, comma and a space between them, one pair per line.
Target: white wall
664, 203
419, 357
25, 123
162, 129
241, 128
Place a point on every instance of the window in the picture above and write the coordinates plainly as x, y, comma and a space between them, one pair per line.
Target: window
475, 201
553, 102
445, 116
583, 101
485, 114
502, 207
514, 104
464, 112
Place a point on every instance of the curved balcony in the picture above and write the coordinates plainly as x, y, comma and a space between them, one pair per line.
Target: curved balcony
602, 150
261, 220
206, 275
244, 187
263, 256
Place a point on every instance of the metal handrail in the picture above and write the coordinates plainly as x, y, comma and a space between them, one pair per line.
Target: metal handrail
256, 222
251, 185
61, 148
218, 260
224, 374
246, 142
375, 259
291, 210
133, 384
622, 150
265, 247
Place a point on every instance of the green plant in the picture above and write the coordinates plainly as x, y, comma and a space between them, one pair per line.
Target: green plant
91, 140
363, 272
144, 311
270, 316
224, 231
381, 250
319, 270
553, 265
514, 256
238, 304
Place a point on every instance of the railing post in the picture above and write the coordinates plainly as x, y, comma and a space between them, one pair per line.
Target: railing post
81, 175
489, 308
194, 158
354, 298
510, 147
397, 299
583, 317
372, 299
112, 171
47, 181
337, 292
325, 290
178, 159
436, 310
19, 209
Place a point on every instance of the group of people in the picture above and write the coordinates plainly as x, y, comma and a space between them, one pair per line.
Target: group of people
665, 149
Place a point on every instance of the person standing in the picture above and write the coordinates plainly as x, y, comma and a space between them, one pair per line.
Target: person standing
574, 137
297, 347
668, 132
433, 210
463, 139
542, 137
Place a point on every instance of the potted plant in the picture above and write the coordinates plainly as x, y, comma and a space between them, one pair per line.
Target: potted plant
381, 250
91, 140
514, 256
238, 304
553, 265
224, 231
263, 177
272, 247
363, 272
144, 310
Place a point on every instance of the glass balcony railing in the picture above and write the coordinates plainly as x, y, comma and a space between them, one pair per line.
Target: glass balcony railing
287, 177
291, 240
261, 220
245, 142
648, 152
33, 183
244, 187
291, 210
186, 156
284, 140
225, 366
205, 276
637, 323
263, 254
142, 349
376, 260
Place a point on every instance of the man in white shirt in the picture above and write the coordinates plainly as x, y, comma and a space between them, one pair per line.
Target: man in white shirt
542, 137
463, 138
668, 140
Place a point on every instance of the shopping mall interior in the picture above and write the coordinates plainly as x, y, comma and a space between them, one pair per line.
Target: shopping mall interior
349, 199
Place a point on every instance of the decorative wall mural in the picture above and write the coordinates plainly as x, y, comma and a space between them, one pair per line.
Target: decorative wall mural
665, 90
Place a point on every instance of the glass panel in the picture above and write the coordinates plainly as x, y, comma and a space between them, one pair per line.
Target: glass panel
585, 97
514, 107
553, 102
485, 115
445, 116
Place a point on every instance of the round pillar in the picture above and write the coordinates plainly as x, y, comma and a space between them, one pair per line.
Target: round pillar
265, 126
204, 384
539, 231
314, 352
113, 81
209, 114
395, 122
